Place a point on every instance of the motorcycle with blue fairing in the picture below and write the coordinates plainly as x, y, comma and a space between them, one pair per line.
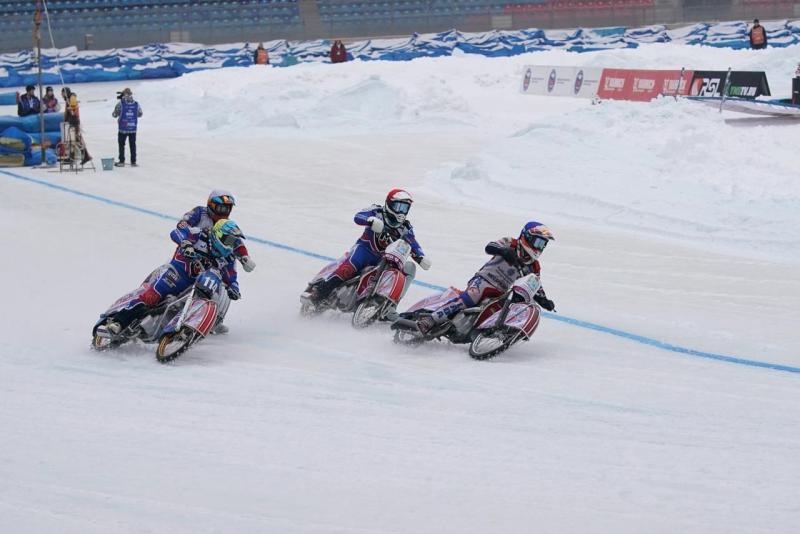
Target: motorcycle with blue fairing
198, 287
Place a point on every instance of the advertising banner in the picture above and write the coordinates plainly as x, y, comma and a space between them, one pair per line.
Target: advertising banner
642, 85
743, 84
576, 82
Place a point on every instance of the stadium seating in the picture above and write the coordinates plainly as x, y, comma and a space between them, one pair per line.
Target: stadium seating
150, 14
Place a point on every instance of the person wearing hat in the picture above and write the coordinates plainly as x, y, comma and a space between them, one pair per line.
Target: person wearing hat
50, 102
758, 36
127, 112
28, 104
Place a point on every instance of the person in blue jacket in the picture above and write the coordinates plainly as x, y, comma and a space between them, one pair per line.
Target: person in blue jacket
28, 104
382, 225
127, 112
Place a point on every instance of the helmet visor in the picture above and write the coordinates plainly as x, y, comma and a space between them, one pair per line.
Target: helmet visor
536, 242
229, 240
223, 210
399, 207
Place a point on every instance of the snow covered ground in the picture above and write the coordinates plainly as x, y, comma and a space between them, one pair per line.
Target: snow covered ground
673, 222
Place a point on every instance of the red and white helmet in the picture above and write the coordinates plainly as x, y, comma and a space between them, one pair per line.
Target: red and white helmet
396, 208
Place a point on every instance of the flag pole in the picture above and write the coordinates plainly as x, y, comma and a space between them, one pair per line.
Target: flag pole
37, 35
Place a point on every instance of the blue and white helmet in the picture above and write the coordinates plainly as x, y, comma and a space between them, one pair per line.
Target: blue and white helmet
532, 240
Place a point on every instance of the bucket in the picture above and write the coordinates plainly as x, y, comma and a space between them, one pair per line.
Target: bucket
108, 164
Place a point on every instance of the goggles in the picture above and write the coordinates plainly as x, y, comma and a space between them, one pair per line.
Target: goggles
221, 209
398, 206
536, 241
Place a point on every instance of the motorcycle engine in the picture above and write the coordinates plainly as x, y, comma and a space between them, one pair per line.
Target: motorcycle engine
462, 322
347, 297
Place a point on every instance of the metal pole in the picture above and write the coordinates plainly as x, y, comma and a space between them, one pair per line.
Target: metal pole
37, 22
680, 82
724, 90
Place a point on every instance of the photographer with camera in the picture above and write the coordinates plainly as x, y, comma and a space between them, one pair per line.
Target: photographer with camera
127, 112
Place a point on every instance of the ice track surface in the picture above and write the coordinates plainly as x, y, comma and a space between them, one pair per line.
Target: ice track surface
671, 223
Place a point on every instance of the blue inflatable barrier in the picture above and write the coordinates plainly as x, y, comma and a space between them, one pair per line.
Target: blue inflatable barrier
34, 157
175, 59
10, 121
15, 140
52, 122
8, 99
50, 138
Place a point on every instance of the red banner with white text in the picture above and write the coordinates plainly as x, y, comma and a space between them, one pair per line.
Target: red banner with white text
643, 85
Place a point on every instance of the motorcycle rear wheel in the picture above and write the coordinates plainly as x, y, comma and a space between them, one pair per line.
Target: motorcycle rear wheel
100, 343
487, 345
173, 344
408, 338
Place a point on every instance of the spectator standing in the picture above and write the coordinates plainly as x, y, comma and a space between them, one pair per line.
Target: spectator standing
338, 52
758, 36
261, 56
50, 102
28, 104
72, 116
127, 112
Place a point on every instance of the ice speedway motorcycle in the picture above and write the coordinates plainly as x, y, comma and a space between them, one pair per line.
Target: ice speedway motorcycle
490, 328
371, 295
175, 324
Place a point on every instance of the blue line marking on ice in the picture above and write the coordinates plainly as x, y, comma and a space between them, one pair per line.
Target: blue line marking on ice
575, 322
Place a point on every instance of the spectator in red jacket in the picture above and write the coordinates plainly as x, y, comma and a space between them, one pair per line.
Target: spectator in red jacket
758, 36
261, 56
338, 52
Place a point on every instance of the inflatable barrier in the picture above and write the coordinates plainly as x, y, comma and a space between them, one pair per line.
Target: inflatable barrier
8, 99
17, 149
30, 123
175, 59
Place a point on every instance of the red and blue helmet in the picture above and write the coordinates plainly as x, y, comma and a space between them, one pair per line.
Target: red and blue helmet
532, 240
220, 204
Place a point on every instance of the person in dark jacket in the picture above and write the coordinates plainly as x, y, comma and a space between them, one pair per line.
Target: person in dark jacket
127, 112
338, 52
758, 36
28, 104
261, 56
50, 102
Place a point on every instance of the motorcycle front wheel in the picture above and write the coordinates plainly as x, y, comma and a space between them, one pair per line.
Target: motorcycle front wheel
367, 312
489, 344
173, 344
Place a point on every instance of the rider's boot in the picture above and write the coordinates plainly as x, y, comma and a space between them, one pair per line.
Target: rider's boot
427, 323
122, 319
322, 290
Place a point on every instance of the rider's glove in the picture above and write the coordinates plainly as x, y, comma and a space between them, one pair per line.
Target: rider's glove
247, 263
425, 263
187, 249
376, 224
233, 293
510, 255
545, 302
